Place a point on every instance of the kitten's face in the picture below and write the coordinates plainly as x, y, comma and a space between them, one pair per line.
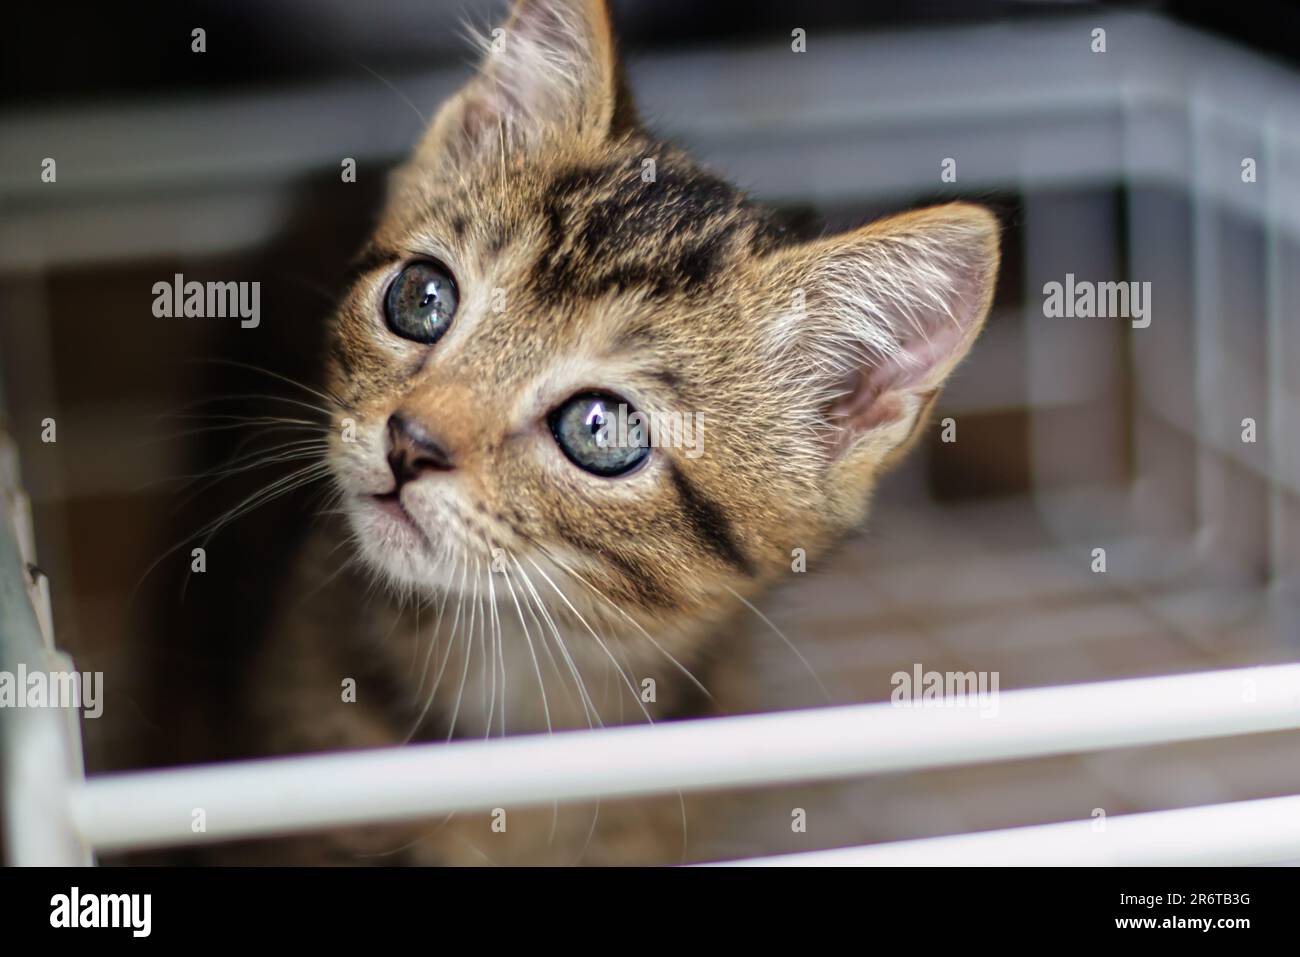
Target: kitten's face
543, 261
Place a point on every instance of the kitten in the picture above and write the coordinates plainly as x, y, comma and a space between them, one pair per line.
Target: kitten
533, 272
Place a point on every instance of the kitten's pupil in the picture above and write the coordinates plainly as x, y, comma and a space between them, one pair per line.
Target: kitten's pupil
596, 422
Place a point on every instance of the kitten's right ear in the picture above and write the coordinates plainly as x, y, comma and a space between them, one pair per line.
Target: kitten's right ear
552, 69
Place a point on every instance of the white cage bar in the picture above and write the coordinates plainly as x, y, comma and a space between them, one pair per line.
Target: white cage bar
153, 808
40, 748
1237, 834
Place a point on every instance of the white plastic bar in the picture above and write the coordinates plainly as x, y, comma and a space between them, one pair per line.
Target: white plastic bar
156, 808
1239, 834
40, 748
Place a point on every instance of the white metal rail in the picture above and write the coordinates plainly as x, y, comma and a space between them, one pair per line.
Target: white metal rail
1241, 833
155, 808
40, 748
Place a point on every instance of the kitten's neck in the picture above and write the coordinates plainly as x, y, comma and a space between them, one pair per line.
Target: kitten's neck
484, 668
504, 669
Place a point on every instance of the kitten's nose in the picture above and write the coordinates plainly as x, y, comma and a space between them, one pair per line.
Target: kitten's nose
412, 451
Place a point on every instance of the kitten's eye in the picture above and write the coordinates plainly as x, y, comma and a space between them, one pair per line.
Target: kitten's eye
601, 433
421, 302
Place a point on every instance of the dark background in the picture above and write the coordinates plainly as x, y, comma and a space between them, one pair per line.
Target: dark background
72, 52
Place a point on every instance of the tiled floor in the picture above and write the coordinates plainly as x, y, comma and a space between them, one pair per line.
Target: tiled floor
981, 588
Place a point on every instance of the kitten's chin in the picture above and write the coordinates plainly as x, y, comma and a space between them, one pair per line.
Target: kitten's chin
396, 546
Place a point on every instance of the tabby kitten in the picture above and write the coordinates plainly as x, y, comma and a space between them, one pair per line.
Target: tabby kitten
532, 272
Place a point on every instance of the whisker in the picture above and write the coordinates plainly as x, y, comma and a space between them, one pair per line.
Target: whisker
233, 363
446, 656
491, 647
400, 95
281, 486
433, 641
789, 644
541, 685
233, 422
636, 624
288, 452
501, 657
568, 604
464, 674
681, 799
588, 706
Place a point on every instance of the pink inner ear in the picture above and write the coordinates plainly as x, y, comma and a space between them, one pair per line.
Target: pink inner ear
874, 393
895, 307
865, 407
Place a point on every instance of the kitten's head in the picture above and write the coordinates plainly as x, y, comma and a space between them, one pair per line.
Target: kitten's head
542, 261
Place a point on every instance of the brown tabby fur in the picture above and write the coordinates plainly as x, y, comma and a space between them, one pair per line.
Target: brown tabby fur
813, 365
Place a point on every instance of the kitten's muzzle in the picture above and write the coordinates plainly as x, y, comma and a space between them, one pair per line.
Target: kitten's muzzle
413, 451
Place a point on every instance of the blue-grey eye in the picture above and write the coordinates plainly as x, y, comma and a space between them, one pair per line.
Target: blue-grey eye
421, 302
601, 433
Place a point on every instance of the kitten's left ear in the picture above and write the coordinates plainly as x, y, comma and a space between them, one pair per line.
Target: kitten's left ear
552, 69
879, 318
